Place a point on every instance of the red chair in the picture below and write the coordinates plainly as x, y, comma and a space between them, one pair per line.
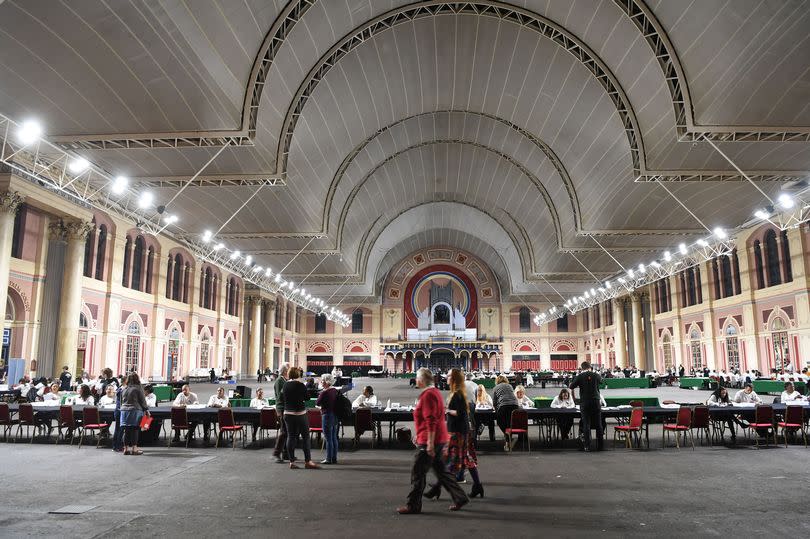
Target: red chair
227, 424
763, 420
179, 422
362, 424
315, 424
268, 420
631, 429
682, 424
5, 420
519, 424
66, 421
25, 418
91, 421
793, 420
701, 422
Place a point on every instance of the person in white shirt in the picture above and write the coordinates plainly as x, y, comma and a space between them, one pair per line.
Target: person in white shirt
151, 398
186, 397
523, 400
259, 401
219, 400
366, 400
747, 395
54, 394
482, 398
84, 398
565, 422
109, 398
529, 380
470, 388
790, 394
719, 398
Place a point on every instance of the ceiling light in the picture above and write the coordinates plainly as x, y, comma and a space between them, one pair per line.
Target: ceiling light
587, 294
119, 185
593, 292
79, 165
30, 131
303, 291
257, 268
702, 242
667, 256
234, 255
621, 280
267, 272
290, 285
608, 285
145, 200
761, 214
171, 219
309, 296
641, 268
786, 201
682, 248
218, 246
297, 290
631, 273
719, 233
248, 260
206, 237
278, 277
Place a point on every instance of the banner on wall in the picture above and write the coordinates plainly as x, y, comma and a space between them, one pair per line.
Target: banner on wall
357, 361
320, 361
564, 362
526, 362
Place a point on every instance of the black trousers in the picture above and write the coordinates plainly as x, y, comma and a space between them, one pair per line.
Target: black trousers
297, 425
131, 435
281, 441
591, 417
422, 462
504, 416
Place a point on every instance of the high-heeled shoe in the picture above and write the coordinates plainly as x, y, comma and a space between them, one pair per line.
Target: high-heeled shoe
477, 490
433, 493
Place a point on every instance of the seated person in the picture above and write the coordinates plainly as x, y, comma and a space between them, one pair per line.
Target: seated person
151, 398
259, 401
219, 400
84, 398
564, 400
790, 394
366, 400
54, 394
747, 395
185, 397
523, 400
108, 398
720, 398
482, 398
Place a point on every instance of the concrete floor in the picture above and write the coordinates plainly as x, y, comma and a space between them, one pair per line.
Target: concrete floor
207, 492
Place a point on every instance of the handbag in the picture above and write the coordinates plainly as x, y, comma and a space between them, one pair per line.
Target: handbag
146, 422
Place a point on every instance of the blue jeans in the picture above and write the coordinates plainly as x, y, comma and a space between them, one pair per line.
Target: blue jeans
330, 432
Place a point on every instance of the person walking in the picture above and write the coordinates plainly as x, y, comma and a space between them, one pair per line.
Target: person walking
295, 416
590, 407
327, 401
133, 408
431, 440
280, 451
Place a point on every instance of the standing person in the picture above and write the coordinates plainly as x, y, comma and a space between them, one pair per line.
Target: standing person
590, 406
280, 451
133, 407
213, 374
64, 379
505, 403
327, 401
295, 416
118, 435
431, 439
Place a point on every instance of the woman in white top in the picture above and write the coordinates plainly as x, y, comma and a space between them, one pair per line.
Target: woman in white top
84, 398
790, 394
54, 395
523, 400
366, 400
565, 422
259, 401
482, 398
109, 398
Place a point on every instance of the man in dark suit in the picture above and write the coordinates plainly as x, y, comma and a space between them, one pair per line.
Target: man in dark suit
590, 408
64, 379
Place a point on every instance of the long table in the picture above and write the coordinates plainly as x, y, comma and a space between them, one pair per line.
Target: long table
776, 386
697, 383
618, 383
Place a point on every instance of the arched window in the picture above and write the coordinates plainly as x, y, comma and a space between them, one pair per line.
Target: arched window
726, 276
229, 354
597, 316
781, 344
524, 319
127, 262
666, 345
133, 348
101, 252
11, 314
691, 288
695, 348
137, 263
88, 254
786, 257
320, 323
205, 293
772, 265
173, 359
758, 265
357, 321
205, 351
176, 278
150, 267
18, 232
732, 348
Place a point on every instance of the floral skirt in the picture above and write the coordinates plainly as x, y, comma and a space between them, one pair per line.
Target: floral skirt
461, 452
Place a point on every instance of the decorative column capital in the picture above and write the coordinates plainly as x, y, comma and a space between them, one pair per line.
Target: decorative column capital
77, 230
57, 231
635, 297
10, 202
269, 304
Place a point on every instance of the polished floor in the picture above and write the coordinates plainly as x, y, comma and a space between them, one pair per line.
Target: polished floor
712, 491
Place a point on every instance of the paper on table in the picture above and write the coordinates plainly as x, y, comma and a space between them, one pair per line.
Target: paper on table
195, 406
745, 404
674, 405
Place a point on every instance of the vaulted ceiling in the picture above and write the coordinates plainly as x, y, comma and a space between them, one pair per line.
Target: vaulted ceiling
528, 133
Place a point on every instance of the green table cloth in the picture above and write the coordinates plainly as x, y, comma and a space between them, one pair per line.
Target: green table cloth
697, 383
163, 393
488, 383
623, 401
542, 402
616, 383
776, 386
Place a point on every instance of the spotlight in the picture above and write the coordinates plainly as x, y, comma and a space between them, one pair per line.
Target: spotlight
655, 264
278, 278
171, 219
719, 233
30, 131
267, 272
248, 260
291, 285
702, 242
587, 294
79, 165
761, 214
641, 268
608, 285
667, 256
621, 280
682, 248
786, 201
206, 237
309, 296
593, 292
234, 255
119, 185
145, 200
631, 273
218, 246
257, 268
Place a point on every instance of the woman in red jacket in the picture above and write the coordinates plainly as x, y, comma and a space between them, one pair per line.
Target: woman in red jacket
431, 441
